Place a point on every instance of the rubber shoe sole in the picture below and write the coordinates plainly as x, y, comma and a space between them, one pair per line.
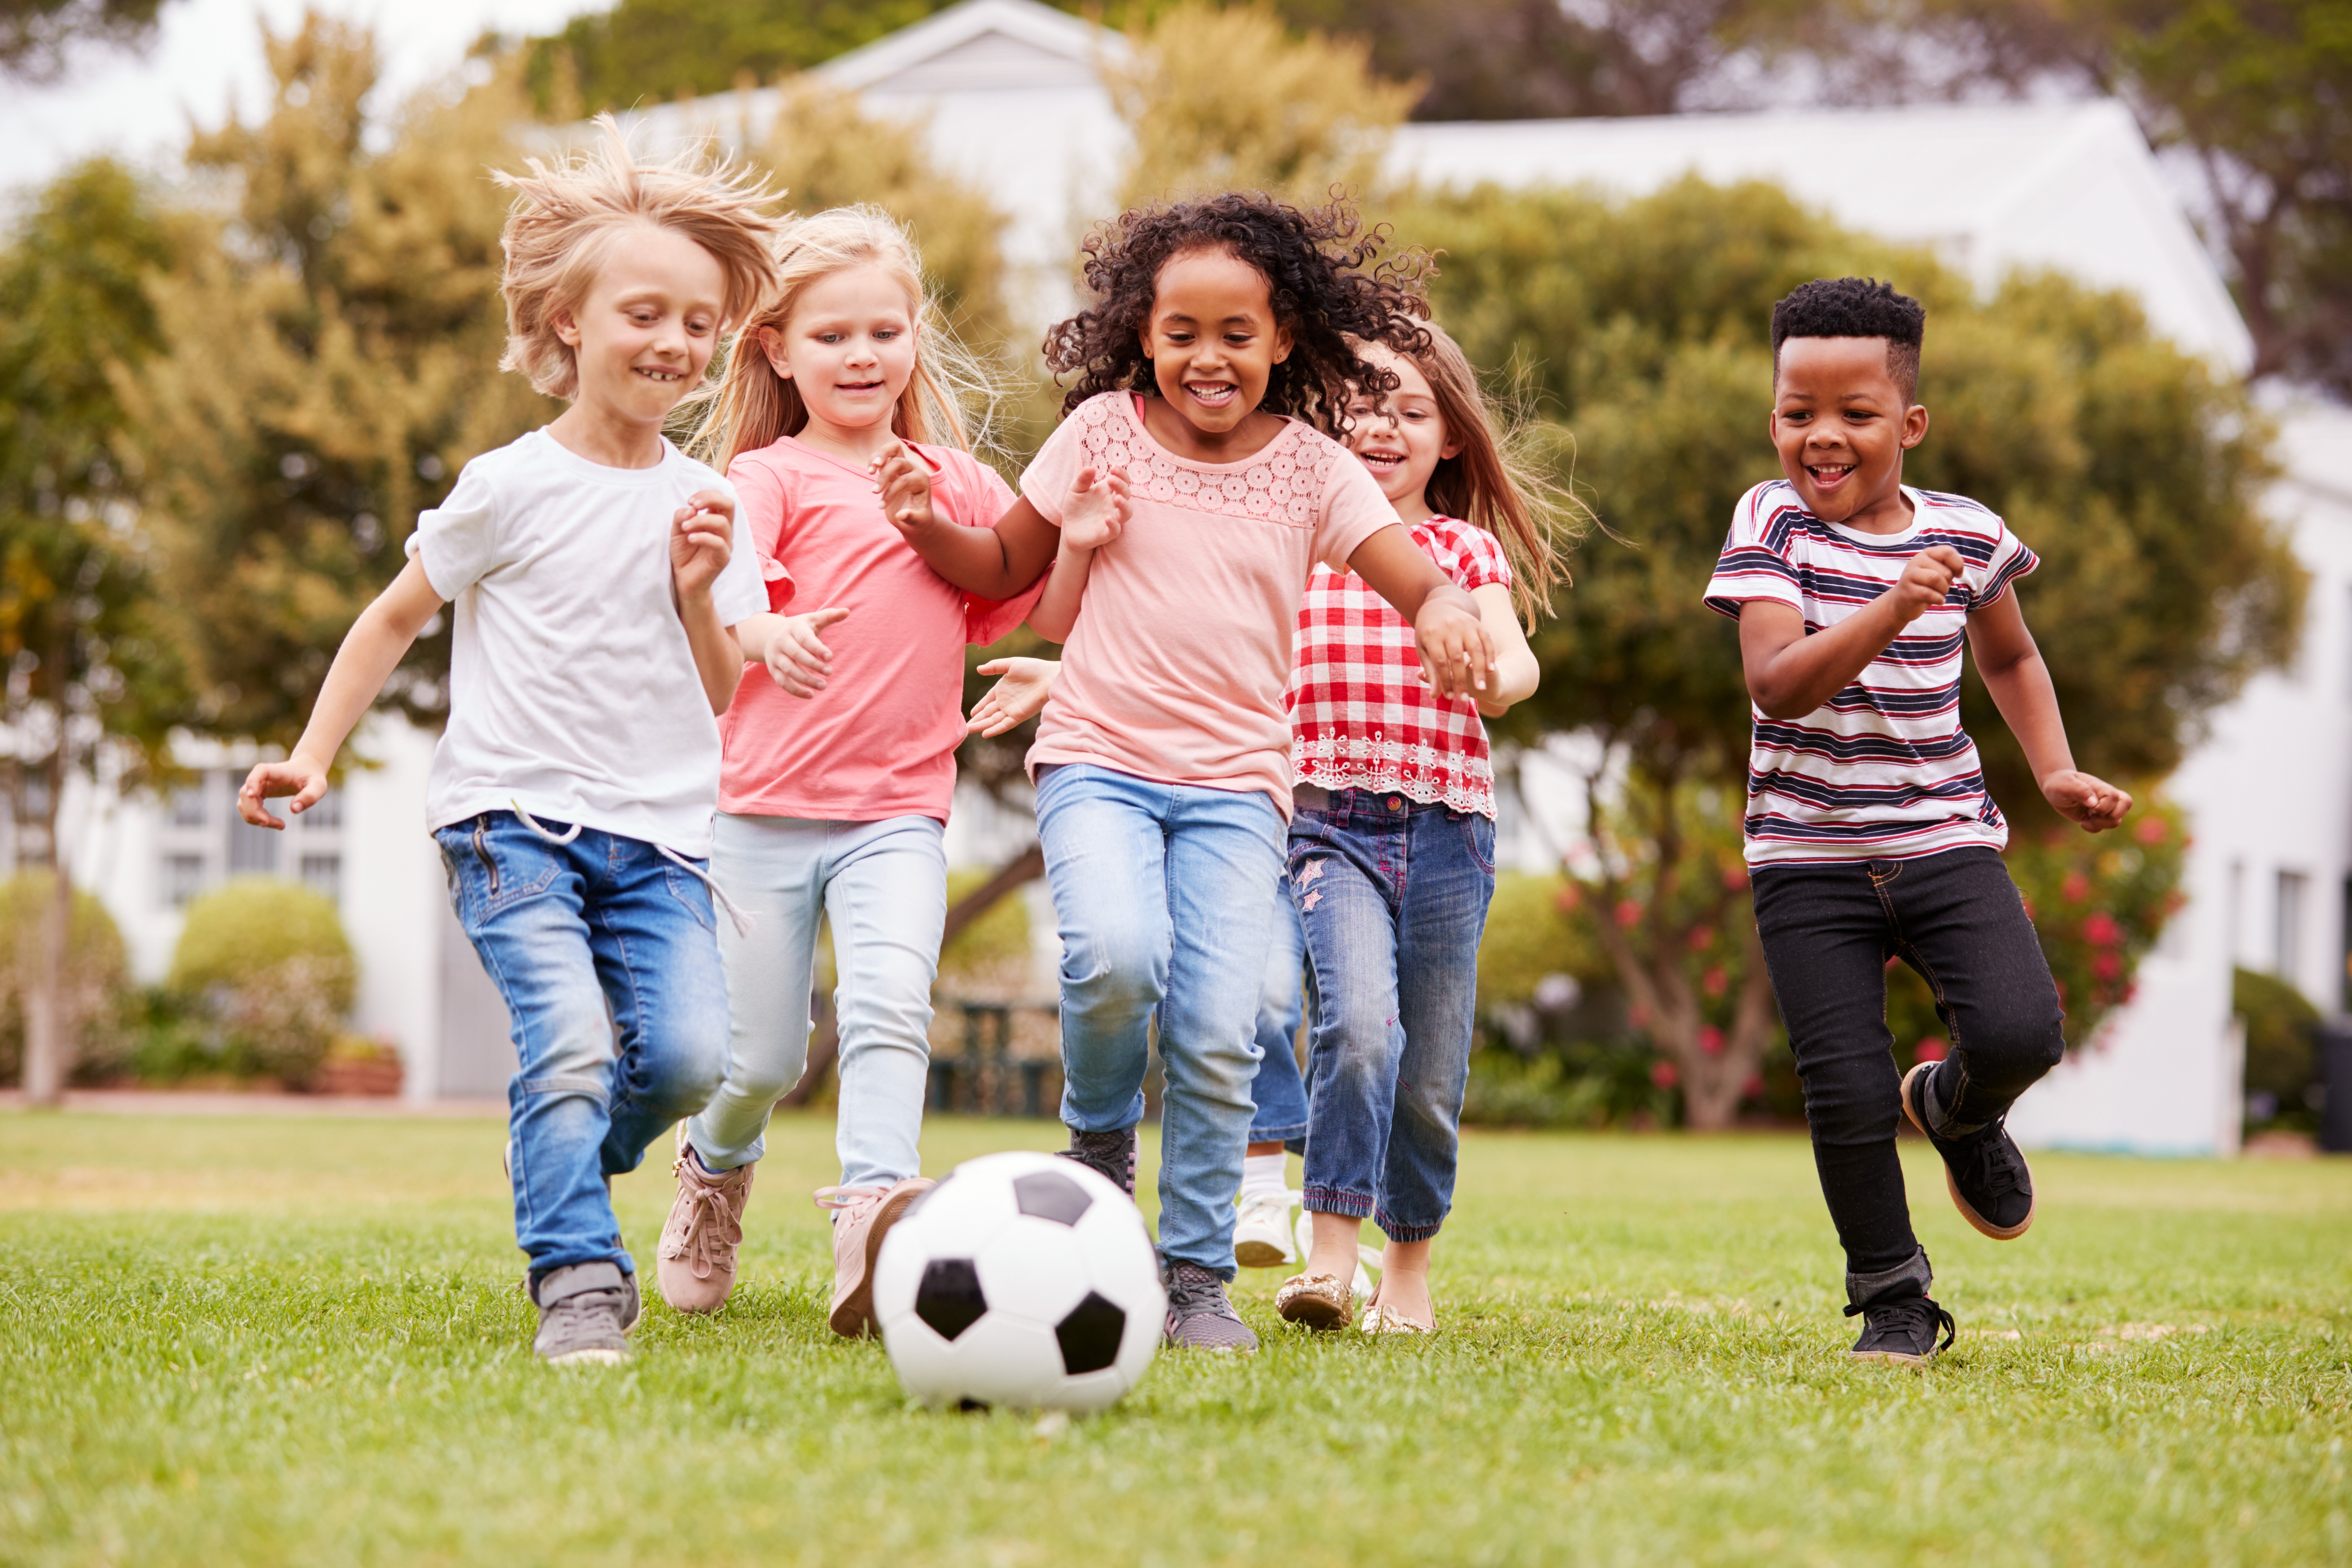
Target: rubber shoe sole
854, 1317
1259, 1255
1918, 1077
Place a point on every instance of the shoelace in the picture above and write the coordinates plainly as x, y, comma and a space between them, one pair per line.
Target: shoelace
1913, 1313
1998, 1167
1192, 1288
706, 1218
836, 1199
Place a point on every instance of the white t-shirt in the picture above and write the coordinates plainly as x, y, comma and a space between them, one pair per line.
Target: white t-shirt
1882, 771
572, 691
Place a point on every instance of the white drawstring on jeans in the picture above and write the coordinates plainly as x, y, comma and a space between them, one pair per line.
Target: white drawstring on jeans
532, 823
744, 924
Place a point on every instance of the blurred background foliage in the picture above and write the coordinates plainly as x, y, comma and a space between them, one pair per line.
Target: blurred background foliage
300, 339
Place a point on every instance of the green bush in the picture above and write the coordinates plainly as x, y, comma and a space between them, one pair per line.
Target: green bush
265, 966
97, 978
2282, 1033
1532, 932
996, 940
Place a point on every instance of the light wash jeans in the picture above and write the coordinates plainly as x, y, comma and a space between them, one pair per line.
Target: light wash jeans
1164, 894
885, 885
1278, 1092
1393, 895
605, 951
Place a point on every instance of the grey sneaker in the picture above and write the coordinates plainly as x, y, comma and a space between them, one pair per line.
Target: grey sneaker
1199, 1316
1110, 1155
585, 1314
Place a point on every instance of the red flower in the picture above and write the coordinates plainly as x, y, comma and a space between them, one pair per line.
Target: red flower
1638, 1015
2152, 829
1735, 878
2101, 930
1666, 1075
1710, 1040
1571, 898
2075, 887
1714, 982
1754, 1088
1700, 939
2106, 966
1628, 913
1931, 1049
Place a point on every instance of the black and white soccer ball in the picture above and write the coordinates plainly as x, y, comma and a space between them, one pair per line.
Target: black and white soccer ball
1022, 1279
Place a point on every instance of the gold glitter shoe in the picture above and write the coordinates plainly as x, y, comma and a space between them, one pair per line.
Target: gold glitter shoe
1316, 1301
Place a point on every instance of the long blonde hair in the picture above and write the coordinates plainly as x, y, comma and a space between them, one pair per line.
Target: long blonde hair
950, 401
1494, 483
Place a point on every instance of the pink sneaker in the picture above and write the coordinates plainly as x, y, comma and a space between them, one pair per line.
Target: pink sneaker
696, 1263
862, 1216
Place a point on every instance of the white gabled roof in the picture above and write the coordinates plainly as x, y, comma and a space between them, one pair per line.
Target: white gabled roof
977, 45
1995, 187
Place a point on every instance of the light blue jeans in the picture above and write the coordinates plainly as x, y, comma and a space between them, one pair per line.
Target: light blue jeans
1279, 1093
1393, 895
885, 886
1164, 894
605, 951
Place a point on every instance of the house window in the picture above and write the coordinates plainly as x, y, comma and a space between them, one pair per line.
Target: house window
184, 878
187, 807
2287, 957
323, 875
251, 850
328, 813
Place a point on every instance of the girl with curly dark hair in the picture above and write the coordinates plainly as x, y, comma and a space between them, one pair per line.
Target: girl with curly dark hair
1194, 484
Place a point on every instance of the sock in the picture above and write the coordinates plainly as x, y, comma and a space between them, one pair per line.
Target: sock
1263, 1173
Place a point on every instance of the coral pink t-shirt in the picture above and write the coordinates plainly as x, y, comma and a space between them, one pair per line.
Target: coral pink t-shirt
1175, 669
879, 741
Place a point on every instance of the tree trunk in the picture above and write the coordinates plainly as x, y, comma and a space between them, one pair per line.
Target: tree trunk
48, 1001
1024, 868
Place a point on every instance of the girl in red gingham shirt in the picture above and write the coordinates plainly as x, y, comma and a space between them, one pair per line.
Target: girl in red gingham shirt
1390, 859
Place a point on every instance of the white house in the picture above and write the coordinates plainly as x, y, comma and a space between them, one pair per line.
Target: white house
1011, 97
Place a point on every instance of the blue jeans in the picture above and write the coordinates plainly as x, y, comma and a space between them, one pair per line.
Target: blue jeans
605, 951
1278, 1092
1164, 894
1393, 895
885, 886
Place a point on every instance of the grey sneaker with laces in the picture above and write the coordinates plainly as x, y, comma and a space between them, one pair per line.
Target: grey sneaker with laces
585, 1314
1199, 1316
1110, 1155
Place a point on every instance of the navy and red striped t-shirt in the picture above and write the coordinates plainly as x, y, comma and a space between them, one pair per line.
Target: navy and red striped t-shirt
1882, 770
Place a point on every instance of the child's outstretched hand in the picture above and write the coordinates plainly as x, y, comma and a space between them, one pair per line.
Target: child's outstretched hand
1095, 510
1927, 578
702, 540
1457, 652
297, 775
1020, 694
905, 486
797, 658
2091, 804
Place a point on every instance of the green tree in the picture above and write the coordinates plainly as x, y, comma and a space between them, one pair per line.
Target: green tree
332, 345
1643, 325
1225, 98
92, 682
38, 36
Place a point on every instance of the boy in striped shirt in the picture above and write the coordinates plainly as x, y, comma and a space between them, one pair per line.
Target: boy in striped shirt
1869, 832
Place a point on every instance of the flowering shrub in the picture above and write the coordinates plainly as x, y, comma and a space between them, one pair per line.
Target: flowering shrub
2098, 903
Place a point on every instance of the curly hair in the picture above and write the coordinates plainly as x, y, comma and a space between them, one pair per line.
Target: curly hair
1855, 308
1326, 280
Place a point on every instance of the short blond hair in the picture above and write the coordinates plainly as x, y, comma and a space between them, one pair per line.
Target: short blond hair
565, 218
951, 399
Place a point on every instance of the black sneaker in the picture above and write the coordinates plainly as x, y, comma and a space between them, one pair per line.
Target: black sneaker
1984, 1170
1111, 1154
1902, 1330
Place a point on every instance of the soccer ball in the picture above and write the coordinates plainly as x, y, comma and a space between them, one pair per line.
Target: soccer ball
1022, 1279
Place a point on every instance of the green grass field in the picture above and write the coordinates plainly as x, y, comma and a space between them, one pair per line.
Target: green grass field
298, 1340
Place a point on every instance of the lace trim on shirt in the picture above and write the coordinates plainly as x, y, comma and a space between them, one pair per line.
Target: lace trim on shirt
1342, 763
1284, 483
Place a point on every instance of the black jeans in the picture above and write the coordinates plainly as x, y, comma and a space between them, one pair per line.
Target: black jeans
1829, 930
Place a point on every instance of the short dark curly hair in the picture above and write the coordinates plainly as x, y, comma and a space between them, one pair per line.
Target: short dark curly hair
1329, 286
1855, 308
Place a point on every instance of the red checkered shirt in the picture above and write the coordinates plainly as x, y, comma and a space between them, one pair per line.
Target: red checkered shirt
1361, 717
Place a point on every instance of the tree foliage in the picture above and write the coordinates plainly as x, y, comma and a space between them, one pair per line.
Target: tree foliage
1642, 326
37, 36
1301, 116
332, 345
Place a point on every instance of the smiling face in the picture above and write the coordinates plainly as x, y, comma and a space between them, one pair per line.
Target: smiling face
644, 333
1403, 442
848, 346
1841, 424
1212, 339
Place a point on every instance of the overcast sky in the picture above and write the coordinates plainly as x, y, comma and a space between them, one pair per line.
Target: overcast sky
206, 57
